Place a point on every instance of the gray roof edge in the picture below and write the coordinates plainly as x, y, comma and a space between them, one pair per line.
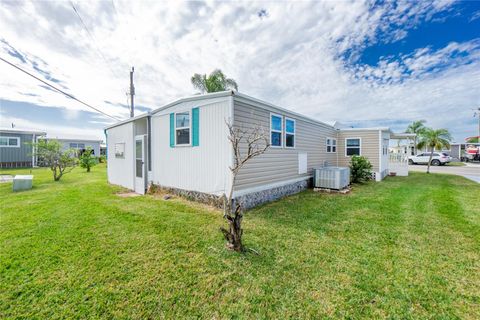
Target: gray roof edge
366, 129
20, 131
171, 104
73, 139
143, 115
271, 105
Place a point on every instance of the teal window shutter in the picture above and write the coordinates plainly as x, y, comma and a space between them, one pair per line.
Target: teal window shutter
172, 130
195, 127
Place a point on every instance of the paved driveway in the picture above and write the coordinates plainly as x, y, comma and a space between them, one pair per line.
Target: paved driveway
470, 171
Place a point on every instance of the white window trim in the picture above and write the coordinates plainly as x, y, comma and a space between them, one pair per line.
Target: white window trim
294, 133
179, 128
281, 131
115, 149
360, 146
9, 146
331, 145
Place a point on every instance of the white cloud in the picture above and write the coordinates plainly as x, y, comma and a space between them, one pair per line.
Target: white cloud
57, 131
293, 57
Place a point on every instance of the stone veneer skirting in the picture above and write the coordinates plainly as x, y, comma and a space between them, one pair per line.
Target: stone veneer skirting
254, 199
206, 198
248, 201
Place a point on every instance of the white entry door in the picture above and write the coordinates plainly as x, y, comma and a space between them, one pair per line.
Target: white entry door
140, 172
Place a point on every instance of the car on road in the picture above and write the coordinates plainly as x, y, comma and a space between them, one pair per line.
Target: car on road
438, 159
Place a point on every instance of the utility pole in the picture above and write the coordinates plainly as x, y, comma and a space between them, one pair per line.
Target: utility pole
132, 94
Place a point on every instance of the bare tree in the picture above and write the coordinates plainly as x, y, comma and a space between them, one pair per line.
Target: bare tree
254, 142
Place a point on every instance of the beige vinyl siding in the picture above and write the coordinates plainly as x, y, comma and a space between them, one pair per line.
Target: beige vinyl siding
281, 164
369, 146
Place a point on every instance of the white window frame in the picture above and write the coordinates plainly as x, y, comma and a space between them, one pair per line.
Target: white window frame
115, 150
180, 128
359, 147
331, 145
281, 131
8, 142
294, 133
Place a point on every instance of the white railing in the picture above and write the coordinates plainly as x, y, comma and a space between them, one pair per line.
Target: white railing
398, 158
398, 163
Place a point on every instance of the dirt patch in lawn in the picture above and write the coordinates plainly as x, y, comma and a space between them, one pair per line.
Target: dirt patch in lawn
128, 194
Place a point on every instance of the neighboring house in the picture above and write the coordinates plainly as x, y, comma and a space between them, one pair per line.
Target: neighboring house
103, 149
79, 144
458, 150
184, 146
16, 148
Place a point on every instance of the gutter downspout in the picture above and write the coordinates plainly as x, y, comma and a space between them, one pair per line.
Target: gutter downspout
106, 143
338, 139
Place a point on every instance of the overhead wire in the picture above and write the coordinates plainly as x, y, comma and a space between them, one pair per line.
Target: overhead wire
92, 37
59, 90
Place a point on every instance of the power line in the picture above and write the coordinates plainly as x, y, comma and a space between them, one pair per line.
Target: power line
92, 38
59, 90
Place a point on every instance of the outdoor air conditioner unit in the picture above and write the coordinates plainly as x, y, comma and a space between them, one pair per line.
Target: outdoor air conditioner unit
331, 177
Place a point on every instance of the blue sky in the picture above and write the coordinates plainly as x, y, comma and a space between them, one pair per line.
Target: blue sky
362, 63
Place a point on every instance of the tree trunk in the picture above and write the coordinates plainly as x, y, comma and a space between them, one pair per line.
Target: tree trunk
88, 169
430, 161
234, 233
57, 174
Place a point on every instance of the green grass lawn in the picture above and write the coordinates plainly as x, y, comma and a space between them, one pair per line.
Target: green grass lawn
403, 248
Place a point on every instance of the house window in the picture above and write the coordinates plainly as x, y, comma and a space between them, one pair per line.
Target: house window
10, 142
120, 150
385, 147
331, 145
289, 133
73, 145
182, 128
276, 130
352, 147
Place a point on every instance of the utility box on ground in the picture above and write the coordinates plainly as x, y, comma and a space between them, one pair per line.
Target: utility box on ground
22, 182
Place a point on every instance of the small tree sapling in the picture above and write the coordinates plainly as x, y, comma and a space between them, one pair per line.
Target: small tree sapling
87, 159
50, 154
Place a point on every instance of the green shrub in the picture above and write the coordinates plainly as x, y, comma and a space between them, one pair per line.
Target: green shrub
102, 158
360, 169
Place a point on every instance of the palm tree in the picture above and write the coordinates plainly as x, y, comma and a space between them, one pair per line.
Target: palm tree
416, 127
214, 82
434, 139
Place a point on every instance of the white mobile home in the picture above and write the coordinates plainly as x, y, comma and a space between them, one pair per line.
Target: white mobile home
184, 146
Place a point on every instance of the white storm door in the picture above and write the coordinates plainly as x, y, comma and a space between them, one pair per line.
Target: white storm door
140, 177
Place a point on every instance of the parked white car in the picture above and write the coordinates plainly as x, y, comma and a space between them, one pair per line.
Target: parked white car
438, 159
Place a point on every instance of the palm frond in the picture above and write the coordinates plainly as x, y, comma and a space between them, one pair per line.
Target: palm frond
231, 84
438, 139
216, 81
198, 82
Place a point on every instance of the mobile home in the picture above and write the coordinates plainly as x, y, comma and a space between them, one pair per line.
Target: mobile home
16, 147
79, 144
184, 146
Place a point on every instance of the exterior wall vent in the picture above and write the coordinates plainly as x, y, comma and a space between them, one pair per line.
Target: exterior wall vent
331, 177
